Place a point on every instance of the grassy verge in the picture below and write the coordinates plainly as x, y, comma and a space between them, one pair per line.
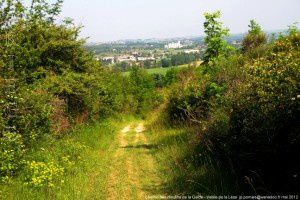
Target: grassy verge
85, 156
185, 168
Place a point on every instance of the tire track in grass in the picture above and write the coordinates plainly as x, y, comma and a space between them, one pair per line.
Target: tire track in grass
114, 187
152, 180
133, 170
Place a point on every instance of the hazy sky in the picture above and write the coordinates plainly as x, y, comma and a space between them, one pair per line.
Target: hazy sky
106, 20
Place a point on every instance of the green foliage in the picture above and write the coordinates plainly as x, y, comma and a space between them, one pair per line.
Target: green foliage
193, 97
34, 122
43, 48
255, 37
262, 128
254, 28
11, 155
166, 62
244, 106
270, 93
141, 87
245, 109
159, 80
58, 85
171, 76
215, 33
9, 9
122, 66
184, 58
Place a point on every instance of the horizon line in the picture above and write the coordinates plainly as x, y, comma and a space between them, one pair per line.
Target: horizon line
172, 38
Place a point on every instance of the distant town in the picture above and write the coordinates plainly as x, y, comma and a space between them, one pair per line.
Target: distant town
152, 53
138, 56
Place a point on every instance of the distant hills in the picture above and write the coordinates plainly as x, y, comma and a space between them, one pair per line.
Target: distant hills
196, 39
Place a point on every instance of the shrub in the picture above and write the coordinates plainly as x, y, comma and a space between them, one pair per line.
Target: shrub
171, 76
251, 42
256, 129
33, 116
255, 37
11, 154
193, 95
247, 111
142, 88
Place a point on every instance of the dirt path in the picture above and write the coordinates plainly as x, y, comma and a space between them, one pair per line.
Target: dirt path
133, 173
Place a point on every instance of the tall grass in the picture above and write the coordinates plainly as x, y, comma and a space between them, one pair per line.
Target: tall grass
184, 166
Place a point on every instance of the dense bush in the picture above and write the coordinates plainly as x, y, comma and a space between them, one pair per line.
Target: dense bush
255, 37
193, 95
184, 58
142, 88
245, 108
187, 99
11, 155
57, 84
265, 117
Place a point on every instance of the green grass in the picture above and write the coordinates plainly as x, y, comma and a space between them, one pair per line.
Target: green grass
111, 164
162, 70
86, 178
159, 70
183, 165
166, 160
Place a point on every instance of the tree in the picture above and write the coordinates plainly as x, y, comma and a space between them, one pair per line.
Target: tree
165, 62
254, 27
215, 33
147, 64
255, 37
9, 9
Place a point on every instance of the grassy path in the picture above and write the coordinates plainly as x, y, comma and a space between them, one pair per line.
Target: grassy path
117, 163
133, 172
122, 159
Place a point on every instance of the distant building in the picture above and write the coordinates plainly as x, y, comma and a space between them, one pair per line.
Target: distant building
126, 58
110, 60
136, 54
236, 43
174, 45
191, 51
145, 58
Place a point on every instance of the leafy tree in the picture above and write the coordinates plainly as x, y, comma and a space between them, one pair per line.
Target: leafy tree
215, 33
41, 9
254, 27
142, 88
9, 9
165, 62
147, 64
255, 37
122, 66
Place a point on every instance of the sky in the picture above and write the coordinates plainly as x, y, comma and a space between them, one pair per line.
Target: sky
109, 20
